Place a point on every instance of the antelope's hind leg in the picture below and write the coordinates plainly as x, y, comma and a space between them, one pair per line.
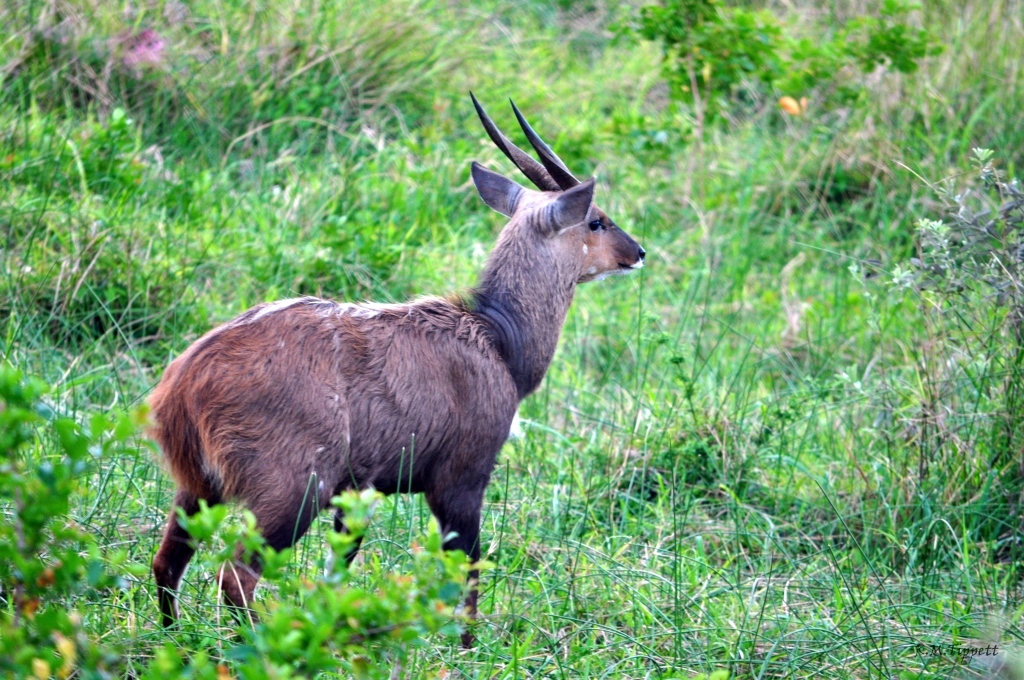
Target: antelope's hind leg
173, 557
283, 517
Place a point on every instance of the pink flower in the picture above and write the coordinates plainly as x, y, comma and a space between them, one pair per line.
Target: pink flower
144, 49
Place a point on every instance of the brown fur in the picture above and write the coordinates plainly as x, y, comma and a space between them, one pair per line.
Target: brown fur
295, 401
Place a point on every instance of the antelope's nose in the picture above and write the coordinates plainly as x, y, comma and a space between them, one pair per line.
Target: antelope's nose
641, 252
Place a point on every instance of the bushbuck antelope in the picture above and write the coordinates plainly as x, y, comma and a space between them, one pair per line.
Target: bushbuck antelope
295, 401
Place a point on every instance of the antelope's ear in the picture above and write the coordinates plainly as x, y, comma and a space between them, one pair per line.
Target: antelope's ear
499, 192
573, 205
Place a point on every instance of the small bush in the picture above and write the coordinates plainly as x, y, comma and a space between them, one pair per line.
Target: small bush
712, 51
969, 278
330, 624
48, 564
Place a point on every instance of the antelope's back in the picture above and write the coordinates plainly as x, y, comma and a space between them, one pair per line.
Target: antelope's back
302, 386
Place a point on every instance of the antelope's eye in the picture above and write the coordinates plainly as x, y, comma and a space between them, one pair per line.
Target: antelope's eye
595, 225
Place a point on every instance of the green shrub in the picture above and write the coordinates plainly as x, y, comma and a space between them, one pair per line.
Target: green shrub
332, 623
968, 277
712, 50
48, 565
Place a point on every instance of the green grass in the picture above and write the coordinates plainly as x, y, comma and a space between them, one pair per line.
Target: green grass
746, 457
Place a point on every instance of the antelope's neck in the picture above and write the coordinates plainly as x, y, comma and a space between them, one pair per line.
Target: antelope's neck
523, 299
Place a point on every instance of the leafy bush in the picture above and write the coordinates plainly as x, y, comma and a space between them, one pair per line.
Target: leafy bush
48, 564
310, 627
978, 247
46, 561
711, 50
969, 278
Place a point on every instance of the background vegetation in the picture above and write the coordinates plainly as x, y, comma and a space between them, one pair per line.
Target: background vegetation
790, 447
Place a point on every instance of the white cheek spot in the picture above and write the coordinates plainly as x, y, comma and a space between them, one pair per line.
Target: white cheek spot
281, 344
585, 249
321, 488
320, 449
592, 270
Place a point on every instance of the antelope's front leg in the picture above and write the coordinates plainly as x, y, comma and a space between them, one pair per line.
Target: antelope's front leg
458, 512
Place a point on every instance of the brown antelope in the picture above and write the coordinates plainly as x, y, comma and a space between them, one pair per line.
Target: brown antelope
295, 401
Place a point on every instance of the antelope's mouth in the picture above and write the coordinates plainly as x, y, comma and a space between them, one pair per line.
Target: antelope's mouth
626, 268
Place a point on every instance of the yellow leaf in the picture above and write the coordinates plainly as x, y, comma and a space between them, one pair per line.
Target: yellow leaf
67, 650
41, 669
790, 106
